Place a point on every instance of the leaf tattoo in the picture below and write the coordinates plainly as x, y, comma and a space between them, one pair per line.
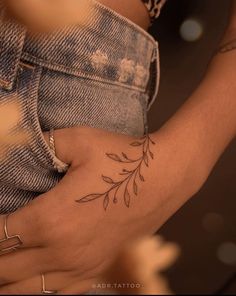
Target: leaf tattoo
107, 179
130, 177
114, 157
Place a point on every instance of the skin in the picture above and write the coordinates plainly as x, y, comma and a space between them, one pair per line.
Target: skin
73, 243
70, 12
132, 9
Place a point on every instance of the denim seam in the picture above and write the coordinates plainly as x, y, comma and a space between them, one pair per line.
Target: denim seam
71, 71
13, 68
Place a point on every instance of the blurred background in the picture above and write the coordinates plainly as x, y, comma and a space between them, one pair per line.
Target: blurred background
205, 228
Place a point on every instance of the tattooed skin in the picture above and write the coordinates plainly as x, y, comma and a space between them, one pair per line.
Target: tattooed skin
130, 178
231, 45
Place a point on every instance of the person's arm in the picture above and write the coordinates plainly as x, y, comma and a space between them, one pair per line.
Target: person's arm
74, 231
190, 143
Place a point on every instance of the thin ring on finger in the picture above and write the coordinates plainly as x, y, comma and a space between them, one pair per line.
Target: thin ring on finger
58, 164
44, 290
11, 242
53, 282
52, 141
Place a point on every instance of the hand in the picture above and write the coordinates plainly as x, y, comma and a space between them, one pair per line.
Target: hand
71, 242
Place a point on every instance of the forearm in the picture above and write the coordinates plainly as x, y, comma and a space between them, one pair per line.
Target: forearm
187, 147
191, 142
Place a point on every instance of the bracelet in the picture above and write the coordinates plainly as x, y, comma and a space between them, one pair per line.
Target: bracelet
230, 45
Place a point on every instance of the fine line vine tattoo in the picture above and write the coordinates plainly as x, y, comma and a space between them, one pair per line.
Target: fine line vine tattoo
231, 45
130, 178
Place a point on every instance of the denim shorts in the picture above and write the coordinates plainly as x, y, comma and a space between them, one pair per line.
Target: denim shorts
104, 75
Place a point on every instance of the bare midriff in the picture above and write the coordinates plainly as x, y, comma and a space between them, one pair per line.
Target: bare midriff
134, 10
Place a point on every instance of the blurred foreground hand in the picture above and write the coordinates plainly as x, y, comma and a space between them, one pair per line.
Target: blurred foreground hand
9, 117
137, 270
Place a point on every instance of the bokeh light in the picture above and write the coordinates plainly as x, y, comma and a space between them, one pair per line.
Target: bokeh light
191, 30
226, 253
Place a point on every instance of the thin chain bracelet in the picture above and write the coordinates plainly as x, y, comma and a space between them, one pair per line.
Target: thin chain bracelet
228, 46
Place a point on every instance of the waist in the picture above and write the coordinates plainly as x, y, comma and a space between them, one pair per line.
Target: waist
134, 10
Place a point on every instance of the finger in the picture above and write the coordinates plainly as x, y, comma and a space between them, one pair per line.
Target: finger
61, 140
54, 281
25, 224
30, 222
23, 264
35, 224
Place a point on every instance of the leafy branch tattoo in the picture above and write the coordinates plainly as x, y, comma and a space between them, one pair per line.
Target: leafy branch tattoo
130, 177
231, 45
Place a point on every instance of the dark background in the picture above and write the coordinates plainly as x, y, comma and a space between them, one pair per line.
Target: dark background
207, 222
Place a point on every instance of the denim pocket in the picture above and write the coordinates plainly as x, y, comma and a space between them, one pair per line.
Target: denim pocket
68, 100
29, 81
27, 170
30, 169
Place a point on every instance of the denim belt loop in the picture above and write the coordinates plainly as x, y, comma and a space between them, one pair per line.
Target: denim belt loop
12, 36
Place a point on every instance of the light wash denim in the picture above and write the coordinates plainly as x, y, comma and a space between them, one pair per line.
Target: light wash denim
103, 75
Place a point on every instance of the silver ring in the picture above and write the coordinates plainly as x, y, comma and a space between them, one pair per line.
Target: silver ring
11, 242
44, 290
52, 141
59, 165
